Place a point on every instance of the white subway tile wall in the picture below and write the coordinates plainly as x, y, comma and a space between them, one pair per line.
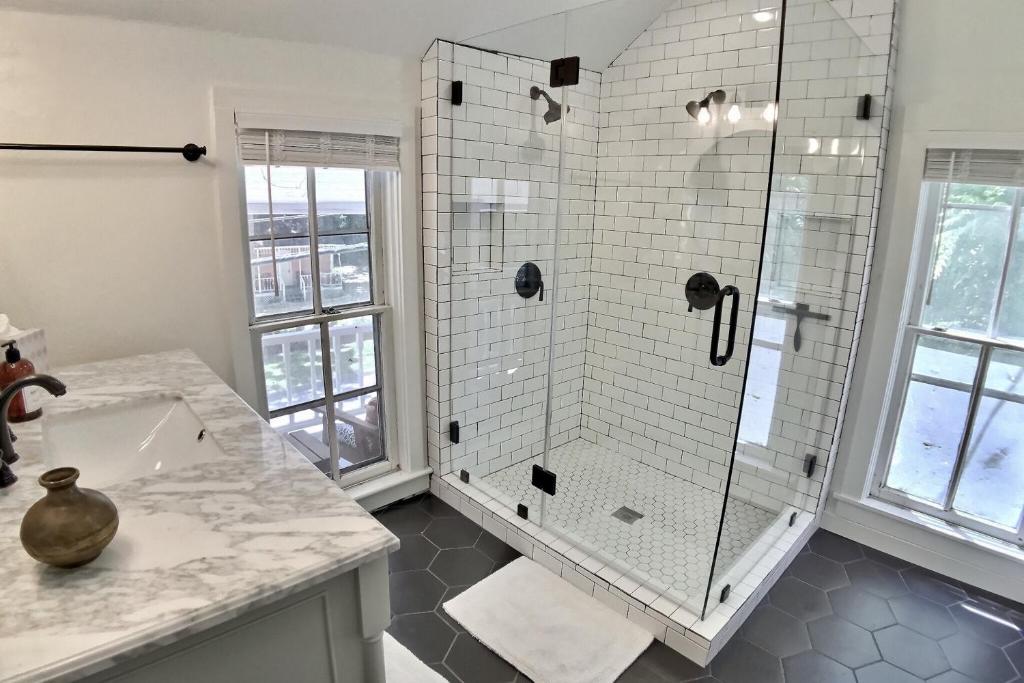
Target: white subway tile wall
651, 197
490, 203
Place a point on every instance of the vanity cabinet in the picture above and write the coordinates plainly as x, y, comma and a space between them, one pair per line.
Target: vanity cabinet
328, 633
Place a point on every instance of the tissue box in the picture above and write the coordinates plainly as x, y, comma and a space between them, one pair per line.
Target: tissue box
32, 344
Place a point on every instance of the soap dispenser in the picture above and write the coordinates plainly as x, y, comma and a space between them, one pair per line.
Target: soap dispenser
13, 369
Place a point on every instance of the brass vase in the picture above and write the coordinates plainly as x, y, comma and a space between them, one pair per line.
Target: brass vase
69, 526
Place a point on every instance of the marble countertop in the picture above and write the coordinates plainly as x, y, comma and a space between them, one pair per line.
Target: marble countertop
196, 546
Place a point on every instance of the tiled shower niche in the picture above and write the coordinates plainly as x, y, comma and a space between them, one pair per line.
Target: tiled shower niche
640, 420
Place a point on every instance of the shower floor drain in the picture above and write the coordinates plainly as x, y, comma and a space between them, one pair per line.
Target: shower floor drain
627, 515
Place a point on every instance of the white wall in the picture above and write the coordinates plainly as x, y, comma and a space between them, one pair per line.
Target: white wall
955, 69
121, 254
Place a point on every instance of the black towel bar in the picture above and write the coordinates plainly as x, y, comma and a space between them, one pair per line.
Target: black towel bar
191, 152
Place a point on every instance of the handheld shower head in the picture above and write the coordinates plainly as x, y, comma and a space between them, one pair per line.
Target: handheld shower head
554, 111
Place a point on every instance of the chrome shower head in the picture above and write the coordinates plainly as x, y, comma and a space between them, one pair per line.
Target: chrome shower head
554, 111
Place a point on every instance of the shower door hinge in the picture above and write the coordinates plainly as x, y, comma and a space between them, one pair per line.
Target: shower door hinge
523, 511
456, 93
453, 431
792, 519
544, 480
864, 107
464, 476
725, 593
565, 71
810, 464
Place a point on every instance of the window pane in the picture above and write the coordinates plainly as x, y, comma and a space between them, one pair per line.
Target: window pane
353, 353
305, 430
1011, 317
992, 484
762, 379
982, 195
343, 231
340, 201
292, 366
360, 435
933, 418
967, 259
292, 289
345, 269
291, 207
257, 206
281, 270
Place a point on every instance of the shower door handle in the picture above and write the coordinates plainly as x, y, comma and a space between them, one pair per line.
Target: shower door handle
716, 326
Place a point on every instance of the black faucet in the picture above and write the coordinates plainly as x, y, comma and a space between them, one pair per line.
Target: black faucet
8, 455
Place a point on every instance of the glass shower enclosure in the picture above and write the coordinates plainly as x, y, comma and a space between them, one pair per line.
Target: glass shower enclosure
644, 262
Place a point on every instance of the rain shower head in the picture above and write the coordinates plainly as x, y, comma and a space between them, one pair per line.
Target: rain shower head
554, 111
694, 108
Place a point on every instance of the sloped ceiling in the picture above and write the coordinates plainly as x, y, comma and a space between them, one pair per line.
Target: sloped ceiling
403, 28
597, 33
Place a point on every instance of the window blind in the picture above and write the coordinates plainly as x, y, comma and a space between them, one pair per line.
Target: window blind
307, 148
977, 166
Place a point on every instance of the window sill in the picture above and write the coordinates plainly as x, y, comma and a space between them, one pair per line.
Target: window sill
953, 532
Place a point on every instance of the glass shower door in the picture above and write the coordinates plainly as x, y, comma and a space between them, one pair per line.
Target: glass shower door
503, 185
813, 245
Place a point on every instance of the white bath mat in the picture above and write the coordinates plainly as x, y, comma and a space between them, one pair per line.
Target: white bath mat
546, 628
401, 666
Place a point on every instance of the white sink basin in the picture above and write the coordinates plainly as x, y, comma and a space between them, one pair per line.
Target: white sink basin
126, 441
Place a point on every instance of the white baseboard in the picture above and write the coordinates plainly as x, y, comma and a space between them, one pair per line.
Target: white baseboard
988, 564
390, 488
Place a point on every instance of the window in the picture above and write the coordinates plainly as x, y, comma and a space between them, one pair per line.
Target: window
314, 203
954, 442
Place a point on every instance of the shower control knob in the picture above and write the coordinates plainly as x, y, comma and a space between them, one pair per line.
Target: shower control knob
529, 281
702, 291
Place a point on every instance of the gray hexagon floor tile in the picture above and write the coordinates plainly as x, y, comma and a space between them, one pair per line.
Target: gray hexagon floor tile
911, 651
461, 566
1015, 653
424, 634
835, 547
813, 667
932, 586
800, 632
452, 532
867, 610
884, 672
742, 662
818, 571
881, 580
952, 676
416, 552
415, 591
474, 663
985, 623
776, 632
980, 661
499, 551
404, 520
923, 616
799, 599
435, 507
843, 641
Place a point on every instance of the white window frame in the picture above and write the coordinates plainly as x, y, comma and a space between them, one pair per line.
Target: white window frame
900, 375
406, 471
379, 186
